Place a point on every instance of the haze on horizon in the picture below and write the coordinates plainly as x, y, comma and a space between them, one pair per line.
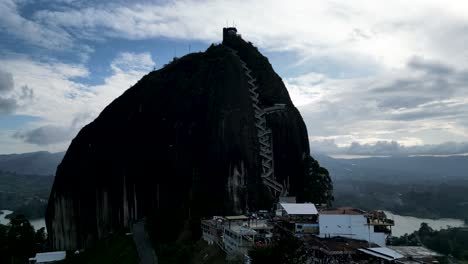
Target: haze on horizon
369, 77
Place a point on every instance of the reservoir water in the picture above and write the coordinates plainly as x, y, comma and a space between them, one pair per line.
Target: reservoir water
409, 224
36, 223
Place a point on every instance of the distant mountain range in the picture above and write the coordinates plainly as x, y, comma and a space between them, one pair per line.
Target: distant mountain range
367, 183
401, 169
37, 163
385, 169
424, 186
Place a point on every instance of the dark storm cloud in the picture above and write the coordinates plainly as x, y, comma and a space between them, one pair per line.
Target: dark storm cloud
8, 102
7, 105
44, 135
50, 134
379, 148
435, 81
407, 93
26, 93
419, 115
6, 81
438, 109
422, 91
430, 67
402, 101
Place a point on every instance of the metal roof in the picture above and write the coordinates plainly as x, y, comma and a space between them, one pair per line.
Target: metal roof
382, 252
299, 208
236, 217
415, 252
49, 256
243, 230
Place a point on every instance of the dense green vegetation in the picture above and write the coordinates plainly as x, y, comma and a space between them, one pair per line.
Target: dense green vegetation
32, 209
318, 187
116, 249
24, 194
19, 241
452, 241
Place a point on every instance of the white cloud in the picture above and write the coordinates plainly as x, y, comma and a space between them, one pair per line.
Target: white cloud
127, 69
370, 32
377, 71
426, 102
388, 148
51, 82
306, 89
64, 104
359, 34
132, 62
26, 30
10, 144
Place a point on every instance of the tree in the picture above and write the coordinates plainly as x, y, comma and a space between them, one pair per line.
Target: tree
318, 187
20, 239
425, 230
4, 256
40, 240
450, 242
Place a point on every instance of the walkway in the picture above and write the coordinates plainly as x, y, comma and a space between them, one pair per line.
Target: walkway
143, 244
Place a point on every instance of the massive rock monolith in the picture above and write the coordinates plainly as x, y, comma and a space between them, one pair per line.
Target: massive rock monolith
186, 141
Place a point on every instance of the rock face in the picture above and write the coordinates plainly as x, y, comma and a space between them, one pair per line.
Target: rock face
182, 141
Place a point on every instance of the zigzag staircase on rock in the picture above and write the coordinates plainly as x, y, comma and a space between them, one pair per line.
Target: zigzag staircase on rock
263, 133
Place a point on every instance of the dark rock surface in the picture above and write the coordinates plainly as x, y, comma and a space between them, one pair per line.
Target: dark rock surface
181, 143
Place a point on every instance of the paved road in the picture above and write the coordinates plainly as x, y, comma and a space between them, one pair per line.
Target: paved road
143, 244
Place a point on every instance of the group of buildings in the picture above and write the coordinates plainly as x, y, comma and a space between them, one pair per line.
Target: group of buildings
341, 235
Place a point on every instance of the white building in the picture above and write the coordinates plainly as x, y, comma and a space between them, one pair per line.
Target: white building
241, 233
238, 239
355, 224
237, 234
303, 216
48, 257
212, 230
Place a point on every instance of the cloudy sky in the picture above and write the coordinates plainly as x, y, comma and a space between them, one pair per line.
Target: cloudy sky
369, 77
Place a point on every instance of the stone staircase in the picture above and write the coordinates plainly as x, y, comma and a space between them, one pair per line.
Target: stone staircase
264, 135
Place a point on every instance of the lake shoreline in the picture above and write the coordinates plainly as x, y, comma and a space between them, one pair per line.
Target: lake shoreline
409, 224
424, 216
403, 223
37, 223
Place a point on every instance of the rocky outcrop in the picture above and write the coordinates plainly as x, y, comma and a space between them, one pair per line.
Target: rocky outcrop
181, 143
